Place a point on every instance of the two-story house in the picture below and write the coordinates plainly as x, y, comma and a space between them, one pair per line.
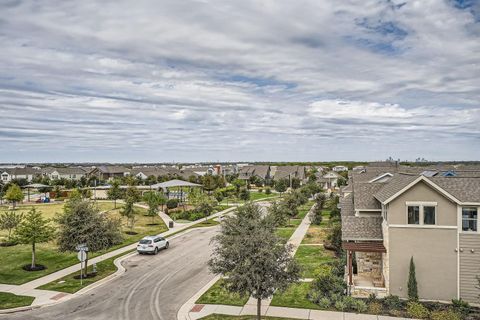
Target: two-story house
390, 217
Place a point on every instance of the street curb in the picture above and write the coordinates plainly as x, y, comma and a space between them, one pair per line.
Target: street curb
183, 312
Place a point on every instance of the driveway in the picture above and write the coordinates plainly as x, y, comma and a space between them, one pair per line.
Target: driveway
154, 287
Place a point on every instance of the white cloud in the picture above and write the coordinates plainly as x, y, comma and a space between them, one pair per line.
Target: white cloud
197, 78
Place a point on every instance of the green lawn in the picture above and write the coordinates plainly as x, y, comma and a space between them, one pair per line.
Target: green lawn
226, 317
311, 259
294, 297
259, 195
10, 300
13, 258
285, 233
217, 294
303, 210
70, 285
315, 234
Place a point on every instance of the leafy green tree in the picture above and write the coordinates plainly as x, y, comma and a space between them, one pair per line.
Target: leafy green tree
82, 223
316, 215
9, 220
34, 229
238, 183
412, 282
281, 185
152, 199
257, 262
335, 238
57, 191
295, 183
278, 213
14, 194
244, 194
114, 193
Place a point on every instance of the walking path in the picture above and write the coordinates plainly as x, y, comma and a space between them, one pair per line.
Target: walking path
43, 297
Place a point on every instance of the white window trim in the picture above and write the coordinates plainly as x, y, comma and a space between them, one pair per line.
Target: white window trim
421, 217
461, 220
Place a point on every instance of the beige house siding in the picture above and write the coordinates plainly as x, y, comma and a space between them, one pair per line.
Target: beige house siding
433, 251
469, 267
446, 210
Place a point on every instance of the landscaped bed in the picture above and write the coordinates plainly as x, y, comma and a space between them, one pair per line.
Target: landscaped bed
10, 300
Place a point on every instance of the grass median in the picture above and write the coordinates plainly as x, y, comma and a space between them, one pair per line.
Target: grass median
10, 300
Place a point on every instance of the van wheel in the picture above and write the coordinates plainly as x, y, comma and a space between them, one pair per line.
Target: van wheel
167, 245
156, 251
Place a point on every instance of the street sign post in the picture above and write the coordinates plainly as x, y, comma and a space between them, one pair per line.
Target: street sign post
82, 257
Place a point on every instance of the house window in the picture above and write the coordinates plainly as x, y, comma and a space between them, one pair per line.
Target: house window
413, 215
428, 215
469, 219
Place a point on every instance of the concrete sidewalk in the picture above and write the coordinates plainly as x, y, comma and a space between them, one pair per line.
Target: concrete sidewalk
45, 296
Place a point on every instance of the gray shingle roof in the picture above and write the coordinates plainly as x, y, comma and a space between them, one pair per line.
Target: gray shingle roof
464, 189
363, 196
346, 205
394, 185
361, 228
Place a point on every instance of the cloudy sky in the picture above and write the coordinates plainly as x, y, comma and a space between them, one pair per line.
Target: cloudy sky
154, 81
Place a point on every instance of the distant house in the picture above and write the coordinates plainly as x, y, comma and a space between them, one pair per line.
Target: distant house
290, 172
340, 168
9, 174
261, 172
68, 173
109, 172
329, 180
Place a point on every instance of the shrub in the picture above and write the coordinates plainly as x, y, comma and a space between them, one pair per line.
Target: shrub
172, 203
260, 190
396, 313
324, 303
417, 310
349, 302
340, 305
359, 306
461, 307
375, 307
392, 302
445, 315
268, 191
316, 215
372, 298
325, 286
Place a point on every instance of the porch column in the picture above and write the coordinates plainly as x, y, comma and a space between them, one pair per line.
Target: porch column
350, 268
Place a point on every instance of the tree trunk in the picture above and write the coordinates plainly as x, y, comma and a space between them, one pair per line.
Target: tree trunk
33, 255
114, 203
259, 309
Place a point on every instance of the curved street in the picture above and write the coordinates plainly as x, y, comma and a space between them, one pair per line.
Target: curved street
153, 287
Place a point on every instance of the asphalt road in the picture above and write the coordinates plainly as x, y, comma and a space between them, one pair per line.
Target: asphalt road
154, 287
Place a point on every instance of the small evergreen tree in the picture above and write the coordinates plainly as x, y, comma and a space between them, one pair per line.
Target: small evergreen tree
412, 282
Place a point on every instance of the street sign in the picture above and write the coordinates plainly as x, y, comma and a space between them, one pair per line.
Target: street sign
82, 247
82, 256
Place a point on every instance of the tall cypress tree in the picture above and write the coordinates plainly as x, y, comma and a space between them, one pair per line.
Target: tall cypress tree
412, 282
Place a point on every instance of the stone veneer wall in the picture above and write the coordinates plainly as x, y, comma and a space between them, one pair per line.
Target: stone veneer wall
385, 257
369, 263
